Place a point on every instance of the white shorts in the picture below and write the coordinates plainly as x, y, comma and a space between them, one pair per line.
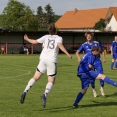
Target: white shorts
50, 67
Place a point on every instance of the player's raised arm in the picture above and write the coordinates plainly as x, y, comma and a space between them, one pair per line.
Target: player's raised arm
60, 45
30, 40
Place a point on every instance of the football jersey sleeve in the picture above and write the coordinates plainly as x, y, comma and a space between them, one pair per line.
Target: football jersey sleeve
101, 47
81, 48
59, 40
41, 40
91, 60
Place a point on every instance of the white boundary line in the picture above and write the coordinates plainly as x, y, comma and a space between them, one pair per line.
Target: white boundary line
28, 72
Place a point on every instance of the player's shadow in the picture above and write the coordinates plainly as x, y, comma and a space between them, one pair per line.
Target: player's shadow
57, 109
100, 104
112, 95
97, 104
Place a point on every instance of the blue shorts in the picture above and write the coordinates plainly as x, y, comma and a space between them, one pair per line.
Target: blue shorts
87, 78
98, 66
114, 56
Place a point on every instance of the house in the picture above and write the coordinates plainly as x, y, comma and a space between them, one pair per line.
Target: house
111, 19
83, 20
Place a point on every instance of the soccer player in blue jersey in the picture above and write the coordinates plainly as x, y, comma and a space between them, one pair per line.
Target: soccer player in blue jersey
87, 47
87, 74
114, 53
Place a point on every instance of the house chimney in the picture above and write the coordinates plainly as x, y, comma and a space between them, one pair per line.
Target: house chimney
75, 10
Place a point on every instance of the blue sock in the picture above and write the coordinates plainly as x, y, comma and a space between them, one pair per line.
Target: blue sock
78, 98
111, 66
110, 81
116, 65
93, 85
101, 83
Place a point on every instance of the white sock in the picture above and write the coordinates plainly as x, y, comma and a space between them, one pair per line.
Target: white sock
30, 84
48, 88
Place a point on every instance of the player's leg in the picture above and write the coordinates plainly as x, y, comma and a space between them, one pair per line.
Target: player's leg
30, 84
94, 90
112, 63
116, 63
39, 72
79, 97
107, 79
85, 84
51, 72
99, 69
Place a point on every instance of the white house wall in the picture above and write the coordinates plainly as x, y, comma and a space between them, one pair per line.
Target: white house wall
112, 25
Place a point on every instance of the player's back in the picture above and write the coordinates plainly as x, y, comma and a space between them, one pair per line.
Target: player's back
84, 64
50, 47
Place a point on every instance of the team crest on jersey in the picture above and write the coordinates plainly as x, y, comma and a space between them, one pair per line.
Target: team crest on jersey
87, 47
95, 44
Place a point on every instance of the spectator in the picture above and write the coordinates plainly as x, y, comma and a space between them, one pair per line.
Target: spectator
2, 50
25, 49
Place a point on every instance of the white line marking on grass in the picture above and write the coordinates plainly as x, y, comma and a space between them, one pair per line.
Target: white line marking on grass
28, 72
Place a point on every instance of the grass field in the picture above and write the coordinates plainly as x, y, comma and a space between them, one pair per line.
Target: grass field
15, 72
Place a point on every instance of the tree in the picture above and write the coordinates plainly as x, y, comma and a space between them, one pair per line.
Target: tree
45, 17
100, 25
40, 14
18, 16
49, 14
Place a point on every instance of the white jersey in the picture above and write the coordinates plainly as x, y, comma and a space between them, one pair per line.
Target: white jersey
51, 49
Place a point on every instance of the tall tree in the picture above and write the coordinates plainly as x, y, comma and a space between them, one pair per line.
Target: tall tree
18, 16
40, 14
49, 13
45, 17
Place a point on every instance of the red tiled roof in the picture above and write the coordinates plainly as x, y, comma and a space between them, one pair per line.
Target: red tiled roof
81, 18
114, 11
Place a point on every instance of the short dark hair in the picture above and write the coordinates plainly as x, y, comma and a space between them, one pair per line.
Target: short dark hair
89, 33
52, 29
96, 48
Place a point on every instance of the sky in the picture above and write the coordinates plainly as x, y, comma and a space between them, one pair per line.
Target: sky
61, 6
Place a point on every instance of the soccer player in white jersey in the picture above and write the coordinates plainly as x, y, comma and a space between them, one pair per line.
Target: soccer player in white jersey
48, 61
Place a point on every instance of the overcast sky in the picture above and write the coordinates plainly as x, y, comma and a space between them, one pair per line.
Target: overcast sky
61, 6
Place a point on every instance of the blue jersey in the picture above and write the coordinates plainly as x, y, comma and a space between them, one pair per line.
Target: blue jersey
114, 46
86, 47
87, 59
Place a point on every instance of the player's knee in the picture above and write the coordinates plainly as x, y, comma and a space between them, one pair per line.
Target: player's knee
113, 60
101, 76
84, 91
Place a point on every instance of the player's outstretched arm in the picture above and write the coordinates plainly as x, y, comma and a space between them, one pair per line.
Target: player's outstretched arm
103, 57
30, 40
60, 45
78, 56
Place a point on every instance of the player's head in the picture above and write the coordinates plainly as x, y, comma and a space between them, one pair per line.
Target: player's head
115, 38
96, 50
89, 36
52, 29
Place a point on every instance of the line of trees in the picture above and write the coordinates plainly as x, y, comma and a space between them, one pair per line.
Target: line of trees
18, 16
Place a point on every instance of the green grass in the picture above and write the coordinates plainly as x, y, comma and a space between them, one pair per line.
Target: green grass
15, 72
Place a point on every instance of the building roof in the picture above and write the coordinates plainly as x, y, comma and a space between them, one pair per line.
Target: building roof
78, 19
114, 11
